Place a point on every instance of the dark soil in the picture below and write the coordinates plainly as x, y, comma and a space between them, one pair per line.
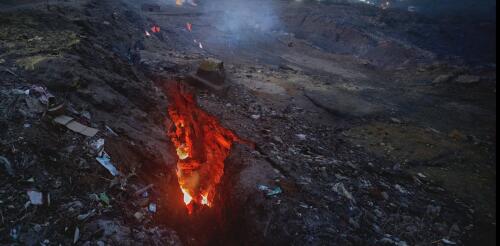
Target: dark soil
377, 126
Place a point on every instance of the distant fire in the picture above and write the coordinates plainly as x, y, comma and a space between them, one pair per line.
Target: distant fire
155, 28
181, 2
202, 146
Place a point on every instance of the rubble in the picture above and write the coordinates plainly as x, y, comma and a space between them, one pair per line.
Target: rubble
348, 128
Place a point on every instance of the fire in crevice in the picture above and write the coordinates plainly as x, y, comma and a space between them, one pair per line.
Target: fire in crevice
202, 146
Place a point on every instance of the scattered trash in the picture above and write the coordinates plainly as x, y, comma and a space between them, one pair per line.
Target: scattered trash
421, 175
152, 207
269, 191
401, 189
301, 137
14, 232
86, 115
139, 216
396, 121
104, 198
36, 198
111, 131
102, 157
21, 92
255, 117
55, 108
83, 217
73, 125
144, 191
98, 146
448, 242
105, 160
7, 166
76, 236
43, 95
340, 189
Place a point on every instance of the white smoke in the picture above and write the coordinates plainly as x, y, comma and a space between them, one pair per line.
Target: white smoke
237, 16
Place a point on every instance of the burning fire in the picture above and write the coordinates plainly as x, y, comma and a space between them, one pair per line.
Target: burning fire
202, 145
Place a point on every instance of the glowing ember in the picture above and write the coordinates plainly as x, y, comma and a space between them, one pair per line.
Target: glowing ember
202, 146
189, 27
155, 29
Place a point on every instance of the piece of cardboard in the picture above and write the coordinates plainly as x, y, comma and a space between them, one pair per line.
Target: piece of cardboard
73, 125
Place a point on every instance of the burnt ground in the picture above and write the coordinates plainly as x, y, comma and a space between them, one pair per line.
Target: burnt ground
378, 126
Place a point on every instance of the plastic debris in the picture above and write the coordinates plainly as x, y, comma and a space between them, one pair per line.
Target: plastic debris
42, 93
36, 198
255, 116
21, 92
73, 125
401, 189
448, 242
83, 217
7, 165
76, 236
104, 198
301, 137
14, 232
152, 207
139, 216
111, 131
105, 160
98, 145
144, 191
269, 191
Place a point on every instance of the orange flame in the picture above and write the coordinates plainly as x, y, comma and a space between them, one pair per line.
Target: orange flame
202, 145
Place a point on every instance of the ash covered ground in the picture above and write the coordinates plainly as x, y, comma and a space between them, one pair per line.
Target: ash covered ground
371, 126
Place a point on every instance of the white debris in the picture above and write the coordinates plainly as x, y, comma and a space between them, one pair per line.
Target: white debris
98, 145
255, 116
401, 189
36, 198
105, 161
76, 236
301, 137
152, 207
341, 190
448, 242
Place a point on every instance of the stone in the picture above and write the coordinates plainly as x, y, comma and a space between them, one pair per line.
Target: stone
210, 74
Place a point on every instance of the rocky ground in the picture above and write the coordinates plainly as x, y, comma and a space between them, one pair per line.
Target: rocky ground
376, 126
